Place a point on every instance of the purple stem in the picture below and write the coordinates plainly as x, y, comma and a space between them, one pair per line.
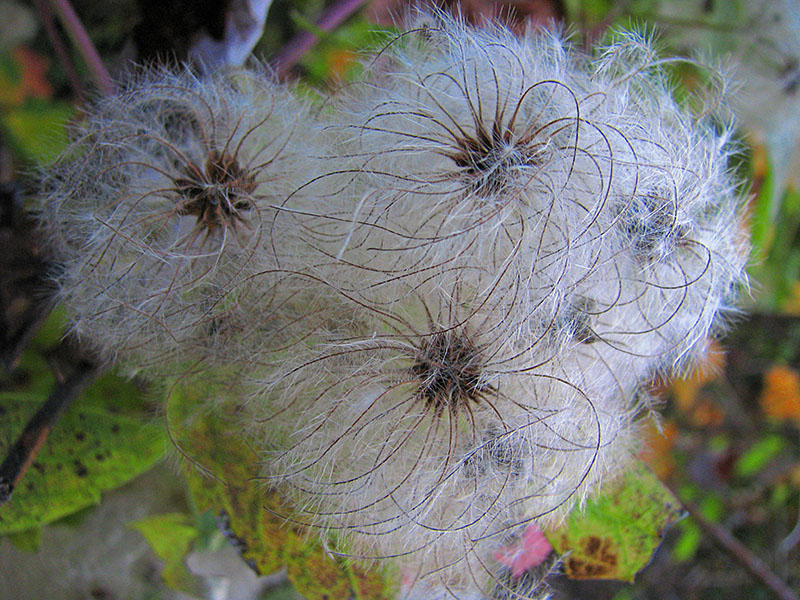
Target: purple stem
738, 551
292, 52
77, 33
46, 16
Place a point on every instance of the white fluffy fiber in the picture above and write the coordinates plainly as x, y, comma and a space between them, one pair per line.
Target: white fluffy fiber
560, 214
146, 275
446, 310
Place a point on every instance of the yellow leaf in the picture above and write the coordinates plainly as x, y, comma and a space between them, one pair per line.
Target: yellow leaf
792, 305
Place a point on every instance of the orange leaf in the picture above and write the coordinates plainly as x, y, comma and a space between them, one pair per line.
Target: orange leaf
780, 396
700, 411
657, 451
34, 82
340, 60
792, 306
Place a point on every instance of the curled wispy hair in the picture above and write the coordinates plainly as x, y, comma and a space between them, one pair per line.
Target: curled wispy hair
517, 237
432, 434
156, 211
529, 170
445, 311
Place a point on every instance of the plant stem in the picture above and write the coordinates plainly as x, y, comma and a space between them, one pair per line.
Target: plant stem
22, 454
46, 16
303, 42
741, 554
77, 33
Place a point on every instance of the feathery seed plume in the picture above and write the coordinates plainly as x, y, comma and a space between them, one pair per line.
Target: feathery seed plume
157, 211
522, 236
446, 310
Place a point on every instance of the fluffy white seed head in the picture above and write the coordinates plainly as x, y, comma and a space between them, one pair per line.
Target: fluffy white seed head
158, 210
760, 42
432, 435
446, 310
517, 237
541, 177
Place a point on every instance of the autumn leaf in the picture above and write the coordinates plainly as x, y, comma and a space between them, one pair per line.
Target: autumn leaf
222, 473
93, 450
700, 411
23, 75
657, 452
34, 82
340, 61
616, 534
780, 396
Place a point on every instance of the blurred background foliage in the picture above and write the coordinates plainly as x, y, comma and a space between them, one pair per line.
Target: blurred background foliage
727, 441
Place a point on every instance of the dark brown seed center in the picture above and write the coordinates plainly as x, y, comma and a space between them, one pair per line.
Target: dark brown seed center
449, 367
489, 158
216, 193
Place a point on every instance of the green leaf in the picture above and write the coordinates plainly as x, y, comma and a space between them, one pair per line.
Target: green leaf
313, 573
587, 11
712, 508
780, 495
51, 330
688, 542
758, 455
316, 574
118, 395
222, 473
33, 375
170, 536
617, 533
89, 451
28, 540
37, 130
337, 53
761, 228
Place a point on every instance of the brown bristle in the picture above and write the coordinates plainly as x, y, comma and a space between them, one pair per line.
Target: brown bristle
449, 366
487, 156
216, 193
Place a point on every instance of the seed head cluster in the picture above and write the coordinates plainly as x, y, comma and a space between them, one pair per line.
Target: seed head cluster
157, 210
442, 292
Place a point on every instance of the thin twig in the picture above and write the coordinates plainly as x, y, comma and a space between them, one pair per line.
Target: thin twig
24, 451
23, 273
77, 33
741, 554
46, 17
292, 52
793, 539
